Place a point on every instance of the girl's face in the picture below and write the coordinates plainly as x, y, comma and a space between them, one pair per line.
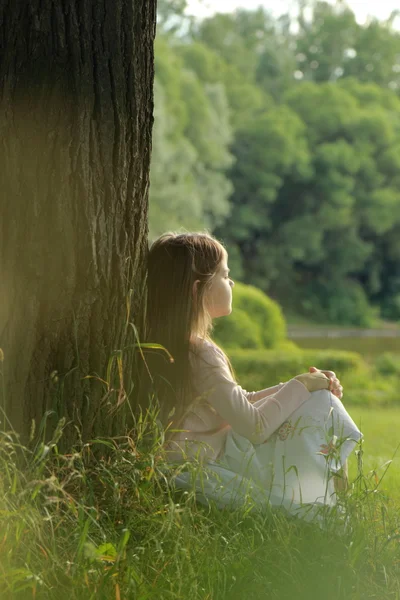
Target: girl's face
219, 295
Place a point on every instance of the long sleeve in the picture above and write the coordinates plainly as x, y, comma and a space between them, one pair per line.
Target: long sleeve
214, 383
254, 397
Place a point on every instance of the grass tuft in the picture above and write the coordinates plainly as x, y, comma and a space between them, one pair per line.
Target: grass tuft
81, 525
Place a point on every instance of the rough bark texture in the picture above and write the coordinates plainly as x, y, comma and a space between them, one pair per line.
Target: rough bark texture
76, 106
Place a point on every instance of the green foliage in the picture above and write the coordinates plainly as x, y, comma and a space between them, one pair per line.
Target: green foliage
326, 109
275, 140
328, 205
113, 524
256, 321
322, 41
374, 382
366, 383
340, 302
245, 99
230, 36
263, 311
282, 136
391, 304
191, 140
167, 13
257, 370
331, 45
238, 330
388, 364
369, 347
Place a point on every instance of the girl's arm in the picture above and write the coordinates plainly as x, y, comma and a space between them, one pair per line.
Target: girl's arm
256, 422
254, 397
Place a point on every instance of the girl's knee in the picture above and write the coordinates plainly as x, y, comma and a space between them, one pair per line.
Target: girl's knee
323, 396
327, 400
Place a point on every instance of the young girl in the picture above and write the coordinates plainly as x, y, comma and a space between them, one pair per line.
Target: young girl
278, 446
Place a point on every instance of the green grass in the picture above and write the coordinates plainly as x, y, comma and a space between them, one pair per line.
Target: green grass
381, 440
104, 522
88, 526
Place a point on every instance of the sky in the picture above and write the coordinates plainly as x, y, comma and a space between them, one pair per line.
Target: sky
362, 8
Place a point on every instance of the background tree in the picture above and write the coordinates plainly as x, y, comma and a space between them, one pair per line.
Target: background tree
76, 102
192, 134
282, 136
330, 44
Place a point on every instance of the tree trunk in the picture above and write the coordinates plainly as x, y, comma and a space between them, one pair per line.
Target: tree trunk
76, 106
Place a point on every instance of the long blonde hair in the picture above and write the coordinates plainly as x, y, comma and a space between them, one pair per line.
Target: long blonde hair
175, 316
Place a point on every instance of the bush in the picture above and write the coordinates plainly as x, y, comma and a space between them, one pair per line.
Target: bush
237, 330
263, 311
257, 370
338, 302
388, 364
364, 384
287, 346
371, 389
391, 307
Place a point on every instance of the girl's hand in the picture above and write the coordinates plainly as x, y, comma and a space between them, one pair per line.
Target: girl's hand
314, 381
335, 387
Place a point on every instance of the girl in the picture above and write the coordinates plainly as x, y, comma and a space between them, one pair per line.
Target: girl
278, 446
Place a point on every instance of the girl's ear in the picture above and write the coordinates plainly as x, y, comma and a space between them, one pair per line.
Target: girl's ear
194, 288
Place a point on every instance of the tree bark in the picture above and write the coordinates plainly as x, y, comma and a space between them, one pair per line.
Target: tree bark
76, 115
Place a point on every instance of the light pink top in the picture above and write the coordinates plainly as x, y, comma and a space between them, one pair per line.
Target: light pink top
222, 404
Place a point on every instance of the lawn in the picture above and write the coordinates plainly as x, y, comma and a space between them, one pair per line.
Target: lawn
75, 529
381, 440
